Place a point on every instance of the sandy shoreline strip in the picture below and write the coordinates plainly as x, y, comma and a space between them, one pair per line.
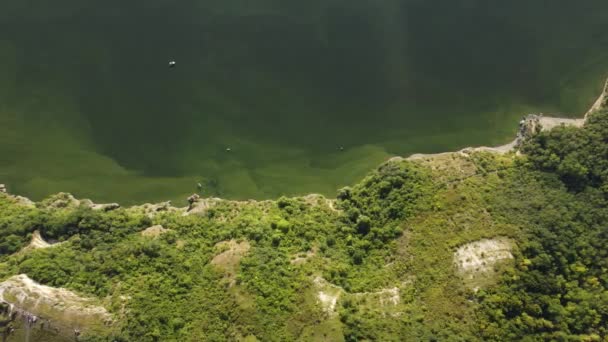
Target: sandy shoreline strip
546, 122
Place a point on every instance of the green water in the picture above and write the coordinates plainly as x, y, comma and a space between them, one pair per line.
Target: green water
88, 104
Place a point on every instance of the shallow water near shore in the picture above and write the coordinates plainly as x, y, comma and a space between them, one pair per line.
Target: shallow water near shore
274, 98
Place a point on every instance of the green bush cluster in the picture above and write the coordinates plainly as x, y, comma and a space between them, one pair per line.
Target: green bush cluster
578, 156
559, 287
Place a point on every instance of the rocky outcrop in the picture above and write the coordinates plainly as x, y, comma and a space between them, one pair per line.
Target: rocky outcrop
66, 200
192, 201
105, 206
529, 126
229, 257
21, 200
24, 201
328, 295
196, 205
38, 242
475, 262
60, 201
154, 231
533, 124
27, 305
200, 205
480, 256
153, 209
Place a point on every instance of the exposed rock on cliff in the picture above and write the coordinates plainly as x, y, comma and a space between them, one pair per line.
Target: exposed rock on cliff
229, 257
152, 209
154, 231
38, 242
476, 261
31, 305
66, 200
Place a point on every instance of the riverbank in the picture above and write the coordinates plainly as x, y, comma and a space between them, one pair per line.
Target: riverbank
528, 126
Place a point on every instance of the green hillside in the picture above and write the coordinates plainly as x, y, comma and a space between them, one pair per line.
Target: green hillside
467, 246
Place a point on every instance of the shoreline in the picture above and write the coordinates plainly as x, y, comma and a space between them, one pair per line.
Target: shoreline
526, 126
530, 124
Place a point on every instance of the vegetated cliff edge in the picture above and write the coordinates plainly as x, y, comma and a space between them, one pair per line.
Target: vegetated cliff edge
468, 245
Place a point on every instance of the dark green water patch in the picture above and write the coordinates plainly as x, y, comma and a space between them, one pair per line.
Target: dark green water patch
90, 106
